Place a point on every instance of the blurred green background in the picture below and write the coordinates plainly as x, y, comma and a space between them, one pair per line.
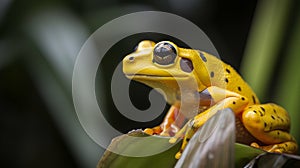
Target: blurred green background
39, 42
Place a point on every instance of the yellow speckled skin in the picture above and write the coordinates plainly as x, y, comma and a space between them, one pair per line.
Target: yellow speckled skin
264, 126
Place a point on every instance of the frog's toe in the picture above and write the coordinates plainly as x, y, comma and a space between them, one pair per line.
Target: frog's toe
149, 131
178, 155
153, 131
173, 140
268, 148
255, 145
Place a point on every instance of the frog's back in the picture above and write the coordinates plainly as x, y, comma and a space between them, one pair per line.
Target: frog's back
224, 76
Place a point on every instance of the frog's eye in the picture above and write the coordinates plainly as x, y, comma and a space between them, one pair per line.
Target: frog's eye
164, 54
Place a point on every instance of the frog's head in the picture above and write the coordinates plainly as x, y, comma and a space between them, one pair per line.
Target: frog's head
165, 66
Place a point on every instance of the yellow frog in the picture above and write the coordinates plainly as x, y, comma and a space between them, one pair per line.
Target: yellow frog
165, 67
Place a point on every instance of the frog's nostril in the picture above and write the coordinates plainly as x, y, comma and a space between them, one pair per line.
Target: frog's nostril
131, 59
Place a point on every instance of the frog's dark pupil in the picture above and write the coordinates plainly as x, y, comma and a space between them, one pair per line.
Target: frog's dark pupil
164, 54
186, 65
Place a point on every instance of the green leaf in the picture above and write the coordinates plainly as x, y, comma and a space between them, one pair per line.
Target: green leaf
243, 153
125, 145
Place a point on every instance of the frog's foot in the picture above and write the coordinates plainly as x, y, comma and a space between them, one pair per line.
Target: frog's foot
179, 153
186, 133
171, 131
153, 131
285, 147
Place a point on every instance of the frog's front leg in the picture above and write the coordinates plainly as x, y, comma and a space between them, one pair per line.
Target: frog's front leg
221, 99
270, 124
170, 126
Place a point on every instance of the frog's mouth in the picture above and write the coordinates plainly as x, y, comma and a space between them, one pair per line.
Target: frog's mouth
144, 76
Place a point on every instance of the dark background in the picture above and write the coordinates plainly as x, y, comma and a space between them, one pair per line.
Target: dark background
39, 42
